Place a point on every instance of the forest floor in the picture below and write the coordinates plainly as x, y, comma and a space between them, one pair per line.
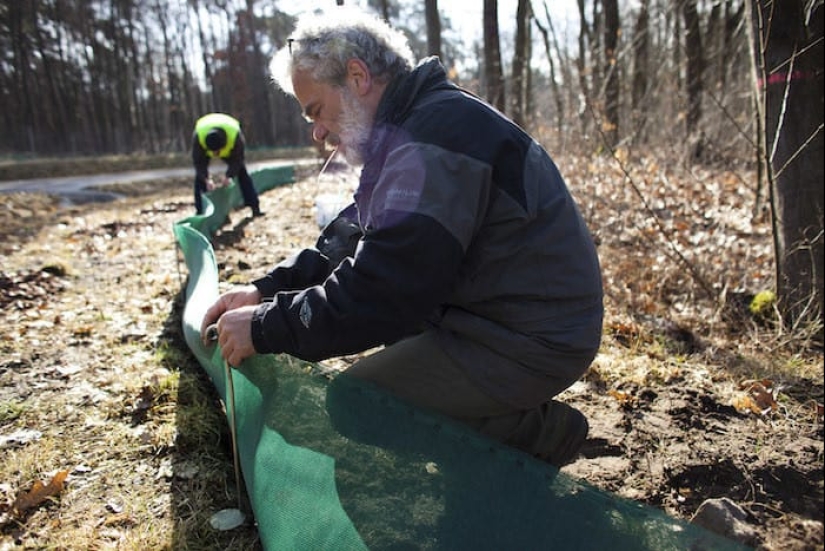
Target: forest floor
111, 436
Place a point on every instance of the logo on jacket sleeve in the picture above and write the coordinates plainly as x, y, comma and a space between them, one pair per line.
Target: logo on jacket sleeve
305, 313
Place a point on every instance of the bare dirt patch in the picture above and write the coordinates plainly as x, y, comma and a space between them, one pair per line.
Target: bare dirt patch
690, 398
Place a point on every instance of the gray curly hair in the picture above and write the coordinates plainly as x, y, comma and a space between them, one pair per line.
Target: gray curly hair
323, 43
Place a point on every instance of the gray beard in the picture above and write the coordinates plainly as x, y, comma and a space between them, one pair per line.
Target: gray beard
355, 129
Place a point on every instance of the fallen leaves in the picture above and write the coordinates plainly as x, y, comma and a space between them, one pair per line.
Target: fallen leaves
625, 399
38, 494
27, 288
22, 215
758, 396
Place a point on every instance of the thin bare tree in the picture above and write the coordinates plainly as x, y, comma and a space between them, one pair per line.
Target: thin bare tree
493, 71
433, 21
520, 77
694, 81
610, 64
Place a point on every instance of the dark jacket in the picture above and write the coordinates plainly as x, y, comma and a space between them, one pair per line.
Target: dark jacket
467, 228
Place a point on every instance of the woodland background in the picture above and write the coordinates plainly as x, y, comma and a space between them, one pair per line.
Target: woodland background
90, 77
693, 81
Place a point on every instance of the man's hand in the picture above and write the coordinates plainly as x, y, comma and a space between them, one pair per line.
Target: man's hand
247, 295
235, 335
221, 180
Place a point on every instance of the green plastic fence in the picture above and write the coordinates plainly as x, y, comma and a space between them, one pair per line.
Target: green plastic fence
334, 464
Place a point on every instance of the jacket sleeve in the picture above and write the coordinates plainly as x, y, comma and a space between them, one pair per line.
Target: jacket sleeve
235, 159
200, 162
404, 267
311, 266
305, 268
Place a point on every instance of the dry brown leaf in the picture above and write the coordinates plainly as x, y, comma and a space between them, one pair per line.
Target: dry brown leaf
39, 493
747, 384
625, 399
119, 519
83, 331
764, 398
744, 404
759, 397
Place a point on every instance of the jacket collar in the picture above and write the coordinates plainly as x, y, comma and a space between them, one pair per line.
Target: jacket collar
402, 92
400, 97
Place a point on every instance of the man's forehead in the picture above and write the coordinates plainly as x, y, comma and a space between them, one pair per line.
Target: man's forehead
307, 89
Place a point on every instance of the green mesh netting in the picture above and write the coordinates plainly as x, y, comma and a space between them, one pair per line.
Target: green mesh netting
335, 464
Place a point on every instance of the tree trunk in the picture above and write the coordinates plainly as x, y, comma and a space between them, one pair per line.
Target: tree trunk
694, 83
521, 64
789, 55
492, 56
548, 34
639, 78
583, 68
611, 72
433, 27
22, 75
208, 104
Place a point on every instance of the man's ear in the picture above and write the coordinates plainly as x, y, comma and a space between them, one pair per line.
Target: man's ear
359, 77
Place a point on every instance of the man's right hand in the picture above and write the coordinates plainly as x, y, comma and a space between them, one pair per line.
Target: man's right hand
246, 295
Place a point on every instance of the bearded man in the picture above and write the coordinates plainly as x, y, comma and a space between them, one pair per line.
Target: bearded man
463, 259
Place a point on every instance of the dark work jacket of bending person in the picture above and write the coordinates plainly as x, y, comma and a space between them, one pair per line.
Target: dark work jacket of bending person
234, 159
232, 154
465, 226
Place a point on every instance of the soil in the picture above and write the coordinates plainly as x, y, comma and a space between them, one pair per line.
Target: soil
690, 399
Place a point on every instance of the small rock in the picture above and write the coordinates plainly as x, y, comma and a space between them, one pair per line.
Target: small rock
227, 519
725, 517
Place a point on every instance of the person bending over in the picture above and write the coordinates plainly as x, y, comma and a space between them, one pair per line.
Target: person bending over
219, 136
463, 259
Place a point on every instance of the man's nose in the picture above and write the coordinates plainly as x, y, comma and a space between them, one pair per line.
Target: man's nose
319, 132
